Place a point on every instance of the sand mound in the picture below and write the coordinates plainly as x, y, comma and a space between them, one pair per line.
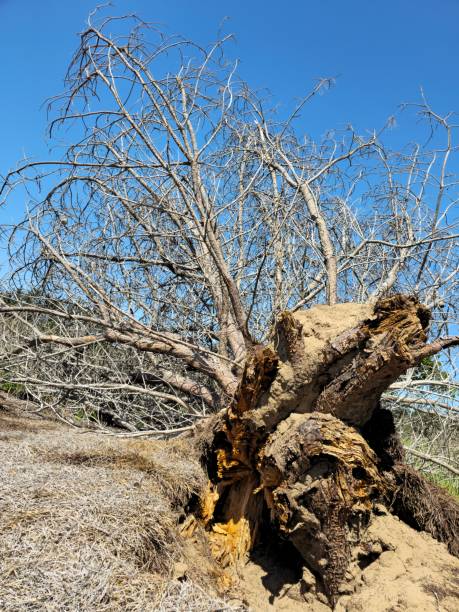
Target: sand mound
90, 522
396, 570
411, 572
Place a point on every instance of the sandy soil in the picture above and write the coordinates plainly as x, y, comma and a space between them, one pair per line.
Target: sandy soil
400, 570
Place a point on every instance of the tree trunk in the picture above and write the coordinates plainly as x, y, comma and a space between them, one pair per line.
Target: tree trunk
305, 447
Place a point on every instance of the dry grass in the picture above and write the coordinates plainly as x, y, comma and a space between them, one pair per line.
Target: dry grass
89, 523
189, 597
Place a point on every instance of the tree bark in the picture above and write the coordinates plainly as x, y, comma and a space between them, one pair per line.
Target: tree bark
305, 446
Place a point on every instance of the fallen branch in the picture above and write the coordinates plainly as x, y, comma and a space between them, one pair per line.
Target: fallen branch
448, 467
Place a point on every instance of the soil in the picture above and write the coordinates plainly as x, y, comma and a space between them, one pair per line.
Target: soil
399, 570
319, 325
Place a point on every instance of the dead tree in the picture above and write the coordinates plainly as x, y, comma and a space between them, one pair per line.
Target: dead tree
165, 262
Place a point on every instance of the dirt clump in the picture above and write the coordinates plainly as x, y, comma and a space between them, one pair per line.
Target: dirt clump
402, 570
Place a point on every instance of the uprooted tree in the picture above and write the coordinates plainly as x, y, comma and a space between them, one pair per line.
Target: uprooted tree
172, 263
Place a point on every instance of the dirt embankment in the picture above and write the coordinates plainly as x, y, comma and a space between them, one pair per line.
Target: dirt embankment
91, 522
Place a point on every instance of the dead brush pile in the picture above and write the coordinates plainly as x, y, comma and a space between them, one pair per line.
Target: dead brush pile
89, 522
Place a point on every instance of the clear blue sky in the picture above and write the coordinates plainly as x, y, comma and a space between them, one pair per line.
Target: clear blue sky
381, 50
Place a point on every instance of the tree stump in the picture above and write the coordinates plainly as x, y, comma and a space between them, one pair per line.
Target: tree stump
305, 445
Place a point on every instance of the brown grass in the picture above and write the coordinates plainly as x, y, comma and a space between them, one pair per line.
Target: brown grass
89, 522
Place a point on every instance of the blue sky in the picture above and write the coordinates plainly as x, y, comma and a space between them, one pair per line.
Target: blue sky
381, 51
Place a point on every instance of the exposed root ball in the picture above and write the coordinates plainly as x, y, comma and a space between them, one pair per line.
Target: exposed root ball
426, 507
320, 478
415, 500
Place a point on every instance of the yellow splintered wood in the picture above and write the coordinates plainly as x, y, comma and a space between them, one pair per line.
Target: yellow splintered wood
233, 536
208, 502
